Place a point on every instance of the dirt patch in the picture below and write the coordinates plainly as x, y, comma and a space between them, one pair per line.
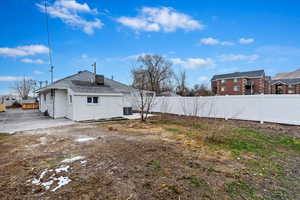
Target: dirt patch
168, 157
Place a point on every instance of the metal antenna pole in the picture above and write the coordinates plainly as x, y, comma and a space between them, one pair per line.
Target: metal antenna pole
49, 44
95, 67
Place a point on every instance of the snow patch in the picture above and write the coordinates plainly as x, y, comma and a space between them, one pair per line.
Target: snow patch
47, 184
83, 162
62, 180
70, 160
62, 169
85, 139
38, 181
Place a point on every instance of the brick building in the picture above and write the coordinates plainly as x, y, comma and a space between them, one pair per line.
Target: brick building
240, 83
252, 82
285, 86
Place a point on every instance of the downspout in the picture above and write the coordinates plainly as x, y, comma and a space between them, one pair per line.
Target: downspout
53, 104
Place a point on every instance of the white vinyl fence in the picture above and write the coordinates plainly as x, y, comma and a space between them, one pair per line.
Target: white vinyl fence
264, 108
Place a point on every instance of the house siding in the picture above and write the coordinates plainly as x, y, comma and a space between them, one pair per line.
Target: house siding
107, 107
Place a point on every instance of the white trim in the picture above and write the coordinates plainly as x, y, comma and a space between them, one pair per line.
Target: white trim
238, 77
97, 94
280, 82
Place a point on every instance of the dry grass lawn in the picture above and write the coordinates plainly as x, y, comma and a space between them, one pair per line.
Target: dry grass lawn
168, 157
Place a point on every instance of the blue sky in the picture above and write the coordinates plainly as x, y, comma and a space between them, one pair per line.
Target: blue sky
203, 38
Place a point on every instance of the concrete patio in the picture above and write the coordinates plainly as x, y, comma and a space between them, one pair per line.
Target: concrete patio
14, 120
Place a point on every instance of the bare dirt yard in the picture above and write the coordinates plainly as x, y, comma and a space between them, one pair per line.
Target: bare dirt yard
168, 157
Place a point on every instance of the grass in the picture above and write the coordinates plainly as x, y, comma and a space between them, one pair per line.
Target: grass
154, 163
195, 181
261, 153
241, 189
4, 134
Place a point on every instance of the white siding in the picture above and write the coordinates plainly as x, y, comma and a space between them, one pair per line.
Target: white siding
61, 103
60, 98
107, 107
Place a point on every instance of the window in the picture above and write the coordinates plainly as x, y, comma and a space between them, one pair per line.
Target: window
236, 88
95, 99
223, 81
236, 80
45, 97
290, 86
91, 100
222, 89
70, 99
291, 91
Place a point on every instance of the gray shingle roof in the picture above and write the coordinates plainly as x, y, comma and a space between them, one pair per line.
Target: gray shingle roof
83, 82
257, 73
291, 81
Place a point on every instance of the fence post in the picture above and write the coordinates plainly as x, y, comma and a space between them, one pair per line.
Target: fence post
261, 109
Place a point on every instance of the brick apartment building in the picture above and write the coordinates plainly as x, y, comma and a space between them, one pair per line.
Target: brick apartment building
252, 82
285, 86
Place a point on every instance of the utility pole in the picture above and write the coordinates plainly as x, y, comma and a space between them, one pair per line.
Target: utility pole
51, 71
48, 40
95, 68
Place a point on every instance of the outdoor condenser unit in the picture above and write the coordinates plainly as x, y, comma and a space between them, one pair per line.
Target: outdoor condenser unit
127, 110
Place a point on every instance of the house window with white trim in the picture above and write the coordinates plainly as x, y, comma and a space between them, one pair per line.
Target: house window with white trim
290, 86
235, 80
92, 100
291, 91
236, 88
222, 89
70, 99
223, 81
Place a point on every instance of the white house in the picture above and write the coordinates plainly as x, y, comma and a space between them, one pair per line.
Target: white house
84, 96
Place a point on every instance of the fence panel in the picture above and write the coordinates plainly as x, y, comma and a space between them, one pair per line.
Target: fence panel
269, 108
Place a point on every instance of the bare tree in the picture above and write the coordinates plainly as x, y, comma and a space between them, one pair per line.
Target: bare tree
156, 71
143, 99
23, 87
181, 85
200, 90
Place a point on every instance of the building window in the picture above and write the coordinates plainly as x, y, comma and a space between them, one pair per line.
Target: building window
236, 80
236, 88
222, 89
70, 98
290, 86
45, 97
91, 100
291, 91
95, 99
223, 81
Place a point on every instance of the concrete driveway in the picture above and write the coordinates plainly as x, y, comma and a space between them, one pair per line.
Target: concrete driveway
14, 120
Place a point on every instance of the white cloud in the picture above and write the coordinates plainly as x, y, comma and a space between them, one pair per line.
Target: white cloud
165, 19
68, 11
24, 50
11, 78
37, 72
237, 57
213, 41
246, 40
35, 61
194, 63
84, 56
135, 56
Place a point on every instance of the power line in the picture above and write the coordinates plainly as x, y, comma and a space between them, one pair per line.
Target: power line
49, 44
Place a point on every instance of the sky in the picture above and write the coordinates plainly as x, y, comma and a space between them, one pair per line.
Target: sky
201, 37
